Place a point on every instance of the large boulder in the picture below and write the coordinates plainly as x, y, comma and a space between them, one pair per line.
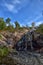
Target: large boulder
37, 42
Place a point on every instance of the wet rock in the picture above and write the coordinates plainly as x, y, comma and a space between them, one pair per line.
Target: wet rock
41, 50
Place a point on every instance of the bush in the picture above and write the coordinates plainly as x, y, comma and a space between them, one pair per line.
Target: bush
3, 51
0, 36
40, 29
2, 24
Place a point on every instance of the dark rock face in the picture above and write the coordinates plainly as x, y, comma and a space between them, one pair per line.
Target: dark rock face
25, 42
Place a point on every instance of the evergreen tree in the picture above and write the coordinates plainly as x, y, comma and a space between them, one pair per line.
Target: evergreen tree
2, 24
17, 25
8, 21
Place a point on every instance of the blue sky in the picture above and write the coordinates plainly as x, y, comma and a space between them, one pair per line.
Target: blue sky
23, 11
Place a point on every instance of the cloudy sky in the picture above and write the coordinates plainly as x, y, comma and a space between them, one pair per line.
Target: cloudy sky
23, 11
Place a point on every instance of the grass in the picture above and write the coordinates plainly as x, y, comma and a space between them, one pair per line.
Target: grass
3, 51
0, 36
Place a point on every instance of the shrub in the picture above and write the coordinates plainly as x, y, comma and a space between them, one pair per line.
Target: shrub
3, 51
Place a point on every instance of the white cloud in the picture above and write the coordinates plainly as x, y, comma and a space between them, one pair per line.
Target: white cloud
14, 6
34, 20
37, 18
16, 1
29, 20
38, 23
10, 7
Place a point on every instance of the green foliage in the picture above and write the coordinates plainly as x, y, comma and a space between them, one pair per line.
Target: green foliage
17, 25
0, 36
2, 24
10, 28
40, 28
8, 21
3, 51
1, 19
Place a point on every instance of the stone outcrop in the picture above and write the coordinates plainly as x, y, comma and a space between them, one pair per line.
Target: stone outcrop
11, 38
21, 39
25, 42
